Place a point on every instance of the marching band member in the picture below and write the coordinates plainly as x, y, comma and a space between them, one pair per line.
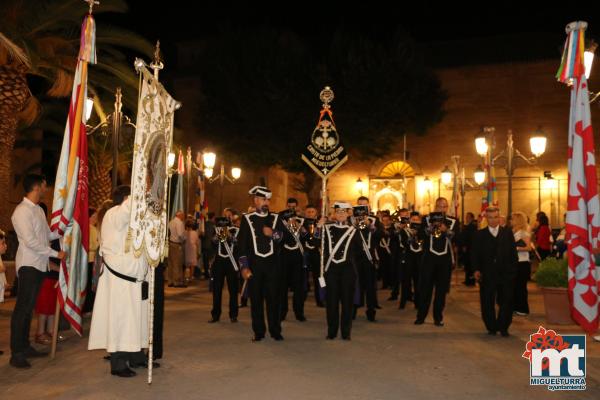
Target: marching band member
369, 236
410, 269
340, 249
293, 262
438, 259
225, 266
312, 255
259, 244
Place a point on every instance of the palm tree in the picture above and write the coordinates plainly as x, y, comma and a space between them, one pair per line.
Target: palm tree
41, 38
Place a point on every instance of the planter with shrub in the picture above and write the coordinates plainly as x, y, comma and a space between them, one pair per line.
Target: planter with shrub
552, 277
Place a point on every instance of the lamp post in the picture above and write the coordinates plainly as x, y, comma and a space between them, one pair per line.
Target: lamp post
485, 144
116, 120
462, 183
205, 162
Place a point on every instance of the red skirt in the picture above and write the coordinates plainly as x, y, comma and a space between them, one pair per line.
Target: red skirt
46, 300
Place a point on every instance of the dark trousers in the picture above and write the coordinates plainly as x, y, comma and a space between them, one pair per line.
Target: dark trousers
314, 261
469, 278
222, 269
523, 274
368, 290
340, 280
159, 309
206, 260
295, 276
409, 278
30, 281
490, 293
435, 273
265, 287
90, 296
120, 359
384, 271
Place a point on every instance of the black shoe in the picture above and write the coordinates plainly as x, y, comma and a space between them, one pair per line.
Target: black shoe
346, 337
107, 358
392, 298
233, 320
301, 318
419, 321
320, 304
1, 352
213, 320
124, 373
329, 337
19, 362
371, 318
33, 353
504, 333
242, 305
144, 365
492, 333
277, 337
402, 306
258, 338
170, 285
438, 323
378, 307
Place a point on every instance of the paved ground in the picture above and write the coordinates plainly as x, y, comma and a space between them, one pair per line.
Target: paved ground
390, 359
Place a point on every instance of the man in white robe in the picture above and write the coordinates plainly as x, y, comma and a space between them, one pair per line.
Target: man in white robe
120, 317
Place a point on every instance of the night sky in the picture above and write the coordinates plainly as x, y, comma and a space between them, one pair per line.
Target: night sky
495, 31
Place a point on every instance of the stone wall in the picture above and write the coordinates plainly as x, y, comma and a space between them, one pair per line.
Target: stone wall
520, 97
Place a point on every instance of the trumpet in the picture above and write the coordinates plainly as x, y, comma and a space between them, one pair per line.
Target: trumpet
362, 222
222, 234
293, 226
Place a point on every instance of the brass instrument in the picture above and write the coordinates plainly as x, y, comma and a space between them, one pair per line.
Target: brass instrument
222, 233
362, 222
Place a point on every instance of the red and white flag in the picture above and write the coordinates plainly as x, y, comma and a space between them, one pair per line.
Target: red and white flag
583, 205
70, 205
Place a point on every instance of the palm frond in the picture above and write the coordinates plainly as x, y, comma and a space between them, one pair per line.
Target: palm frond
10, 51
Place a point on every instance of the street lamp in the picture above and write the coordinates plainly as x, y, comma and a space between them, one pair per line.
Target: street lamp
461, 183
588, 58
479, 175
507, 156
89, 107
360, 186
446, 176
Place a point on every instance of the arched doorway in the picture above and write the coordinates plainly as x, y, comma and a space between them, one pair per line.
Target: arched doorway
392, 187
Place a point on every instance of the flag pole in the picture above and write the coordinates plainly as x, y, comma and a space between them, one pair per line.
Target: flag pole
55, 329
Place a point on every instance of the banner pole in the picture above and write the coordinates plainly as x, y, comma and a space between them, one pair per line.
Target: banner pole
323, 211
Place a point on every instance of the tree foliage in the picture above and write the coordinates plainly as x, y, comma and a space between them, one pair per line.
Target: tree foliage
260, 93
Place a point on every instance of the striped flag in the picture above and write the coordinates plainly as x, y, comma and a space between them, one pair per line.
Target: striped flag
583, 205
178, 203
70, 206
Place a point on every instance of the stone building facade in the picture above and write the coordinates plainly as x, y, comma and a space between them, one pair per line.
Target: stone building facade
520, 97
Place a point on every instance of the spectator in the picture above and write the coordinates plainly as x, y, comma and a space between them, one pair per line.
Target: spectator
88, 304
523, 242
543, 237
45, 306
467, 235
176, 239
31, 263
192, 244
208, 251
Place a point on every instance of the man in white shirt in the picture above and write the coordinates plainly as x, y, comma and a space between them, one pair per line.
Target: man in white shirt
176, 239
120, 316
31, 263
